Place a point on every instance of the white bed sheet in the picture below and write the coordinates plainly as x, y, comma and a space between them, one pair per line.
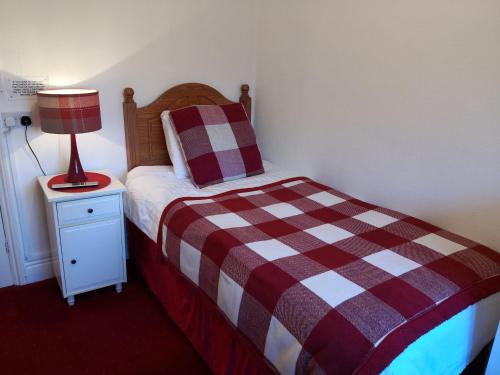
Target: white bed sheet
151, 188
447, 349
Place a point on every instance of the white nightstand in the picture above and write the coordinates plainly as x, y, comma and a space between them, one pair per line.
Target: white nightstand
87, 237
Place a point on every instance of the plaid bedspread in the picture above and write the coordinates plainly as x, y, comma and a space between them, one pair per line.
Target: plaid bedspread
318, 280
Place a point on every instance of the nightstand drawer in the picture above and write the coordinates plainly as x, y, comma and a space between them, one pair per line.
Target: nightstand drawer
89, 209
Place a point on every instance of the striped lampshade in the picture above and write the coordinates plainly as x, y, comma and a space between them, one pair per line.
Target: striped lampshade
69, 111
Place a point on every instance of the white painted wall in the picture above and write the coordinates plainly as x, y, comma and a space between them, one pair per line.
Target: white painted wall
395, 102
108, 45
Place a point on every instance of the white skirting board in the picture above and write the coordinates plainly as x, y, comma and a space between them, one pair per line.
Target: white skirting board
38, 270
494, 361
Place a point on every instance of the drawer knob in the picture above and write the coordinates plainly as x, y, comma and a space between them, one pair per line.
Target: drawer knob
90, 210
73, 261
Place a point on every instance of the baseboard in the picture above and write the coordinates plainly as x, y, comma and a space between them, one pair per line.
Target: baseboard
38, 270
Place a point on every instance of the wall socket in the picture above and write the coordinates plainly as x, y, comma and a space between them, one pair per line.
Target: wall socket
13, 119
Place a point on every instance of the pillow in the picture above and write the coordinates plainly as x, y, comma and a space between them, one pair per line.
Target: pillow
174, 150
218, 143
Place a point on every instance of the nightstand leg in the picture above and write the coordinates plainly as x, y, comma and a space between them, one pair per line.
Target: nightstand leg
71, 300
118, 287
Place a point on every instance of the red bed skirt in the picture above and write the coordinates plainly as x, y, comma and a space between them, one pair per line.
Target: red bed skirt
224, 349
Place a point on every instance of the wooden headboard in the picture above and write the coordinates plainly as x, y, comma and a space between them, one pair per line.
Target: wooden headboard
143, 129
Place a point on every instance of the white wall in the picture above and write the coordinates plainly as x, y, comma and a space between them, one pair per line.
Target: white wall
109, 45
395, 102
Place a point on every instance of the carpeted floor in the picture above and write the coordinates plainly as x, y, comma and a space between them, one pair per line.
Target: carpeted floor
103, 333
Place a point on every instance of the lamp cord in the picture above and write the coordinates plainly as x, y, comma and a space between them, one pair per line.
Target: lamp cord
33, 152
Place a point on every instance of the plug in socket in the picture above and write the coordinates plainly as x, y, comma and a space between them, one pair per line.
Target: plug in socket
13, 119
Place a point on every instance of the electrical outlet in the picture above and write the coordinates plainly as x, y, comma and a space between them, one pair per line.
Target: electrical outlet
13, 119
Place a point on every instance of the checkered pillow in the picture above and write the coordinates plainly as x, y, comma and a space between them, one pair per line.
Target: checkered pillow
218, 143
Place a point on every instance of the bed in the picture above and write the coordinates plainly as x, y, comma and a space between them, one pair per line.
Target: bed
155, 198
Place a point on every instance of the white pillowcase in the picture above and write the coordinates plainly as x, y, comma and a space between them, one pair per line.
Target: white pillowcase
174, 150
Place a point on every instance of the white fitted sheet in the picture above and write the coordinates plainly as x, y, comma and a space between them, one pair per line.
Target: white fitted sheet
452, 345
447, 349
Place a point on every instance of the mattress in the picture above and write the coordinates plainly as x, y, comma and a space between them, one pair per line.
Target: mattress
446, 349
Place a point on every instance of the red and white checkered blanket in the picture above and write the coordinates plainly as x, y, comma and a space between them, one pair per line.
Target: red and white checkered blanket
319, 281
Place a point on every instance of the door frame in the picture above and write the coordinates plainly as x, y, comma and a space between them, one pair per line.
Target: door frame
10, 211
5, 263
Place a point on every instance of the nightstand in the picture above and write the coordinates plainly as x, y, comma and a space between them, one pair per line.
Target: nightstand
87, 237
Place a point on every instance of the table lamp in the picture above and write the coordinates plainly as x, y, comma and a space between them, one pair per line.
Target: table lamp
70, 111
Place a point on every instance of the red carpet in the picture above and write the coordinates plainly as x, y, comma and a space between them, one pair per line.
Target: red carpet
104, 333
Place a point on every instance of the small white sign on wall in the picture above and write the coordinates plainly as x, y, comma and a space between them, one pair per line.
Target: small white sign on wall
22, 88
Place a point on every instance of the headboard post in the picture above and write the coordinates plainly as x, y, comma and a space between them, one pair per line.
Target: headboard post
129, 114
246, 100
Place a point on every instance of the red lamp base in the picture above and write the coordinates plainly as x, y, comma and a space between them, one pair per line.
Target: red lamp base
102, 179
75, 170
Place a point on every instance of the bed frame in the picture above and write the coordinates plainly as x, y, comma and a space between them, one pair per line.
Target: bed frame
144, 136
193, 312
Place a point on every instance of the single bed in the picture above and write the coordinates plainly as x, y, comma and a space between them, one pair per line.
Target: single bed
446, 348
